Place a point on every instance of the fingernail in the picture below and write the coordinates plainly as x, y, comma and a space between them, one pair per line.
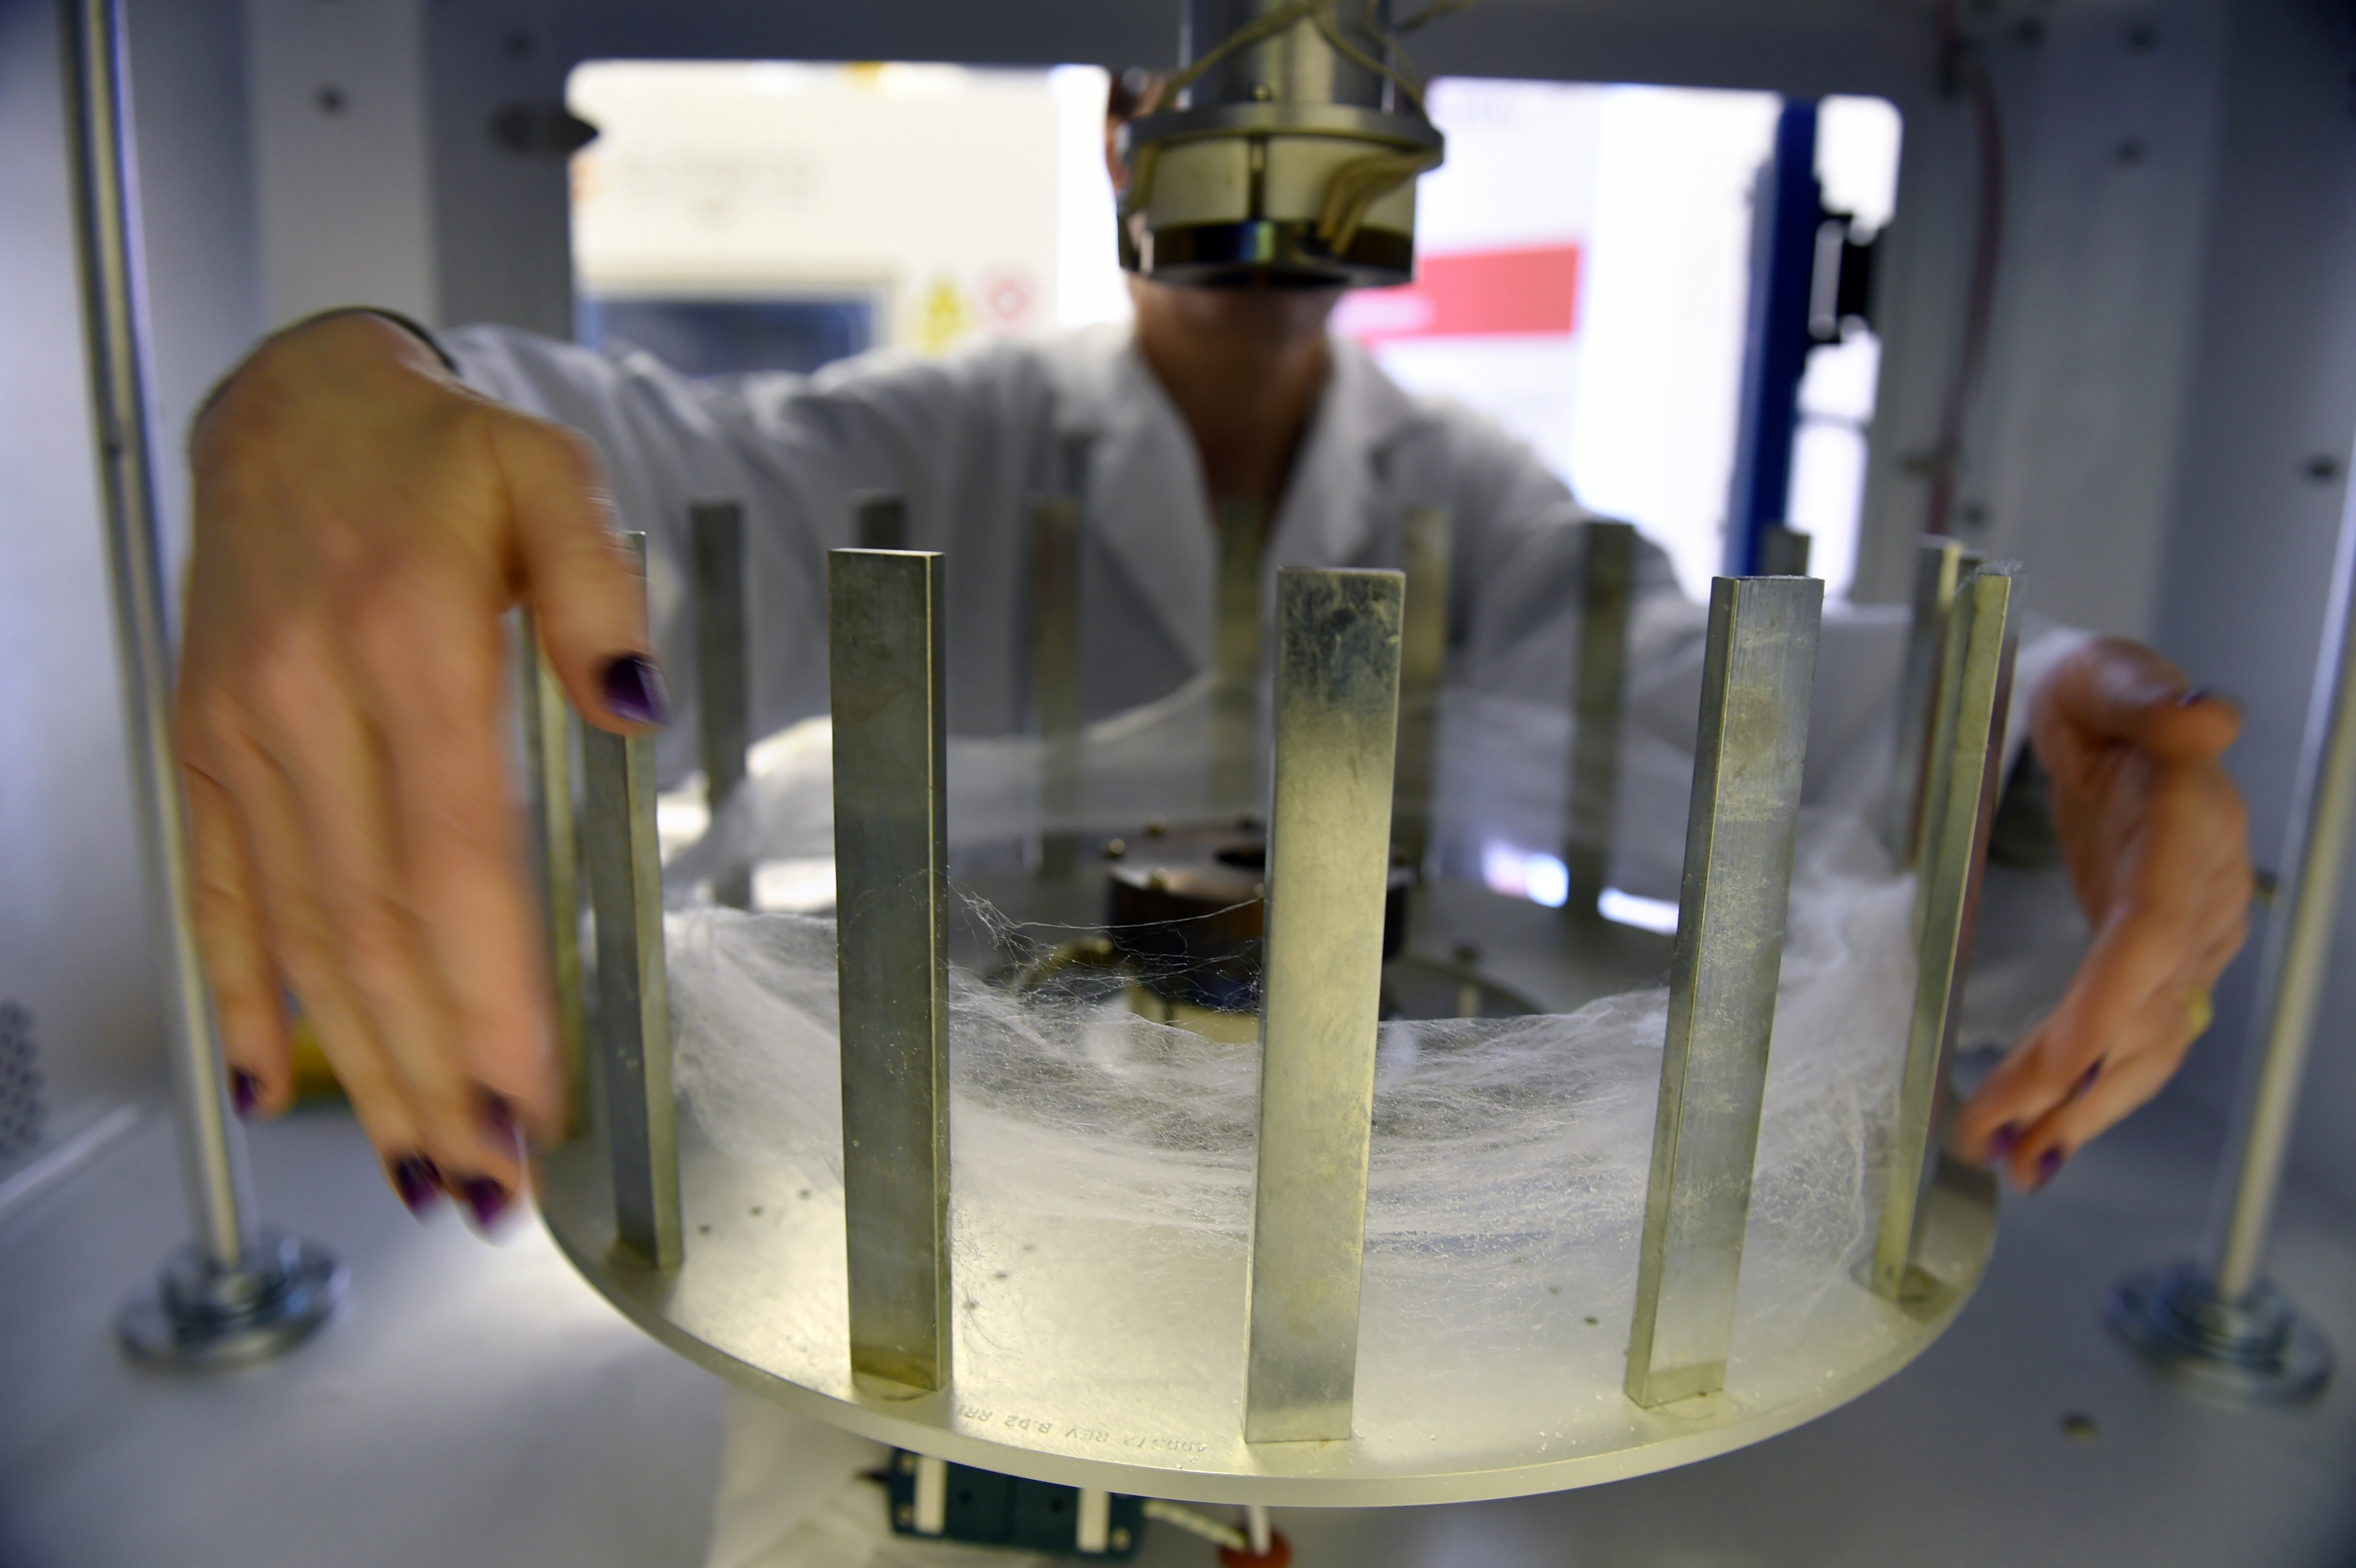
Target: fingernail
635, 692
418, 1182
2047, 1164
245, 1090
499, 1118
486, 1199
2008, 1137
2087, 1081
2193, 696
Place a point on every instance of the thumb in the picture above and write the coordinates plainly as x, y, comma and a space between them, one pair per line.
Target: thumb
584, 585
2114, 691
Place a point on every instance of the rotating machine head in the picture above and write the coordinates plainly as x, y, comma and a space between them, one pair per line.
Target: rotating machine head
1282, 154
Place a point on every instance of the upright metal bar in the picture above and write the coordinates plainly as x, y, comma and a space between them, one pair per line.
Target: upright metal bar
1758, 676
1597, 686
1337, 683
880, 520
724, 688
891, 852
1423, 666
114, 315
547, 726
1782, 551
1975, 693
1056, 675
1939, 565
625, 863
1234, 661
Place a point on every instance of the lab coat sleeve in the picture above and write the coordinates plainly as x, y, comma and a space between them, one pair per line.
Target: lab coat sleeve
794, 450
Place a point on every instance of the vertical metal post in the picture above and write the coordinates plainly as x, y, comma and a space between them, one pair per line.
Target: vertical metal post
1234, 661
234, 1294
1056, 675
2221, 1324
1596, 688
548, 725
1939, 565
1782, 551
1975, 692
1328, 864
625, 861
1423, 666
724, 688
880, 520
1758, 678
891, 852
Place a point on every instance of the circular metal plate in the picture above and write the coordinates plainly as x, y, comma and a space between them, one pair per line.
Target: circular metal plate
1113, 1357
288, 1289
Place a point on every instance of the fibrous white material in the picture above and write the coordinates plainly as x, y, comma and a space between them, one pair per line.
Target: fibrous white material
1509, 1155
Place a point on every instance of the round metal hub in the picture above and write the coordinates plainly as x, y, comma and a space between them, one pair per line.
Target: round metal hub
2259, 1350
200, 1316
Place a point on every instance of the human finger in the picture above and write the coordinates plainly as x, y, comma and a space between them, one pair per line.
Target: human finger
432, 664
257, 1046
584, 587
2114, 691
2112, 1088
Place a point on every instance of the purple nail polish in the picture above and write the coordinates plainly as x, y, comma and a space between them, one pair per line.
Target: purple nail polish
634, 691
499, 1118
2007, 1139
2087, 1081
486, 1199
419, 1184
2193, 697
245, 1090
2047, 1164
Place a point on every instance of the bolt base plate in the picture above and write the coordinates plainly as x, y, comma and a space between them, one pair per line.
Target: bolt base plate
2258, 1351
198, 1317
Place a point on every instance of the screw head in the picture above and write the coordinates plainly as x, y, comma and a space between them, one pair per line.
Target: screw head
1115, 849
1119, 1538
904, 1517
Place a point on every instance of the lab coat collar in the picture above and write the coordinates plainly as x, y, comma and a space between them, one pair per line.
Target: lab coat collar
1146, 501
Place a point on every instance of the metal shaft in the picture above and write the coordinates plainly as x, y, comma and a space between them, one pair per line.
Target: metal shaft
1758, 678
1596, 689
625, 861
1056, 675
1328, 868
1939, 565
114, 313
1234, 694
723, 691
880, 520
1423, 666
2299, 948
1974, 695
891, 853
547, 721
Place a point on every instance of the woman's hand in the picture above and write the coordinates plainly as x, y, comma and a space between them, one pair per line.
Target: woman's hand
2156, 842
362, 521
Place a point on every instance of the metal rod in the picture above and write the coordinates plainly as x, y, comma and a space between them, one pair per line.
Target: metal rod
1056, 675
891, 853
2297, 953
547, 726
724, 688
1234, 695
1597, 686
1424, 666
1939, 565
1782, 551
1975, 693
114, 315
880, 520
1337, 682
1758, 676
625, 861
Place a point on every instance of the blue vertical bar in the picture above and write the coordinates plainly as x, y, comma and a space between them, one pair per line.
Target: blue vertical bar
1775, 339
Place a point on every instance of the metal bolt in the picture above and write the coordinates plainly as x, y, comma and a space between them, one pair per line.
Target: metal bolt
1115, 849
904, 1517
1119, 1539
1155, 826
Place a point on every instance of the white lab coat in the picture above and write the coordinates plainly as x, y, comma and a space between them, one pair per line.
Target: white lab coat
968, 441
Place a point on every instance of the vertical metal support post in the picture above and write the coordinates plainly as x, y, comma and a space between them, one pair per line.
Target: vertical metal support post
1939, 565
1782, 551
1424, 666
880, 520
625, 863
1055, 676
1596, 688
724, 688
1337, 682
1975, 692
891, 852
547, 721
1758, 676
2220, 1324
1235, 660
234, 1294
